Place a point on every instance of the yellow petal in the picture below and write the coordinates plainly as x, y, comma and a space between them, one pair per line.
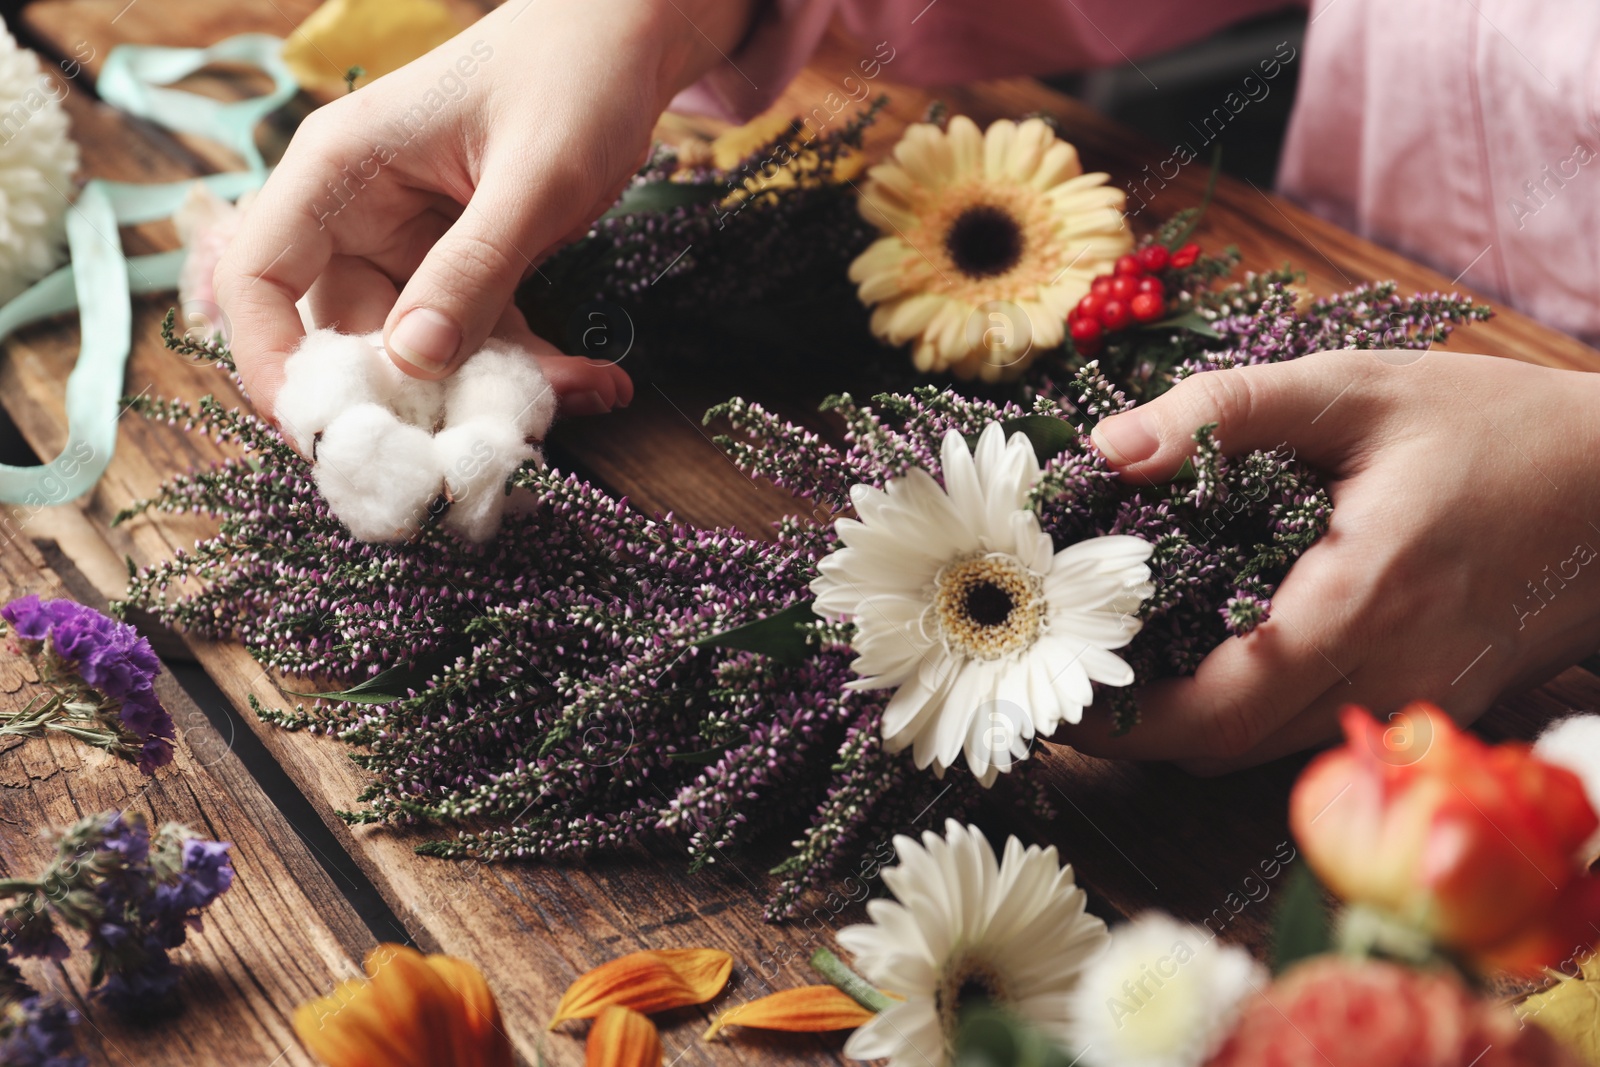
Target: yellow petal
810, 1009
647, 982
621, 1037
733, 146
376, 35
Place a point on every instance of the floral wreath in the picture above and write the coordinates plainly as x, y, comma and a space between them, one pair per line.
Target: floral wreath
976, 577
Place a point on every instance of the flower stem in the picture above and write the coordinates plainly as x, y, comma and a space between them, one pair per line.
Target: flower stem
849, 982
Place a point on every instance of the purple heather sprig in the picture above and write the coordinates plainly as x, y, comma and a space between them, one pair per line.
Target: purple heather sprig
544, 695
101, 676
134, 897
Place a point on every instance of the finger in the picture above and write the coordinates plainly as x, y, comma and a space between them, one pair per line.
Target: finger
466, 281
1250, 686
1255, 408
280, 249
351, 296
585, 386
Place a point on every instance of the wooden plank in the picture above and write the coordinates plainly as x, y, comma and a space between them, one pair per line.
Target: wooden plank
281, 935
1138, 835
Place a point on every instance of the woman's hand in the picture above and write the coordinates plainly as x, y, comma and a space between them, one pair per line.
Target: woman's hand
1461, 561
418, 203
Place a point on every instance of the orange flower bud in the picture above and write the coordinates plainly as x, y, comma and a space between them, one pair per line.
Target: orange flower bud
621, 1037
647, 982
1476, 845
810, 1009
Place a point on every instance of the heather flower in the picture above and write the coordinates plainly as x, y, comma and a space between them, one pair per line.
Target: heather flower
101, 675
551, 692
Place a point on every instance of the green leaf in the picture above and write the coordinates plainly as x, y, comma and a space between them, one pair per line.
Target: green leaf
1186, 472
664, 196
1192, 321
395, 683
1049, 435
779, 636
1302, 929
990, 1037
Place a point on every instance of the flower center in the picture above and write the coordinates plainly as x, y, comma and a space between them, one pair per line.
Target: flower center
988, 606
967, 983
984, 241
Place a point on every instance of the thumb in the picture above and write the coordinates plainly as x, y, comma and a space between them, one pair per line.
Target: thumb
465, 283
1255, 408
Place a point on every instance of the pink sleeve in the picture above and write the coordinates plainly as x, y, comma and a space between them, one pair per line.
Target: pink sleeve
947, 41
1464, 135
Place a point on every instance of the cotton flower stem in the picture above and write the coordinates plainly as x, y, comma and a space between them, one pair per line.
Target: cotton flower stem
851, 984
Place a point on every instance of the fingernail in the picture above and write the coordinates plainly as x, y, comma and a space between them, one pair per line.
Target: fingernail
426, 340
1125, 438
590, 403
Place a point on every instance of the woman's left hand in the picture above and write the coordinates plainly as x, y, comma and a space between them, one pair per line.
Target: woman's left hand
1460, 562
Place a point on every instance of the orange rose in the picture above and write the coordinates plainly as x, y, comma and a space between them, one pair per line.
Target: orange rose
1476, 845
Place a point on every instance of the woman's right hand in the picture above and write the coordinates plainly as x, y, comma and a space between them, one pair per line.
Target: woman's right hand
419, 203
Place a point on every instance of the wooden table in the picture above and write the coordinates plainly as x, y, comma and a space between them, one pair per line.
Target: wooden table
1139, 836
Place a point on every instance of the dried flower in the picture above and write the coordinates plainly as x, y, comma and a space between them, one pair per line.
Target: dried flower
135, 897
101, 675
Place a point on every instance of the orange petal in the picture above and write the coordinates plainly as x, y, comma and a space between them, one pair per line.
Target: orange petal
621, 1037
413, 1011
647, 982
809, 1009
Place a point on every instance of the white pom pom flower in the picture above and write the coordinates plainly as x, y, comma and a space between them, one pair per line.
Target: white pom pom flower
388, 447
37, 161
1165, 994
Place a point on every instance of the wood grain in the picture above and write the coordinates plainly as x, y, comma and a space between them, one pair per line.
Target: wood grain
1138, 836
281, 935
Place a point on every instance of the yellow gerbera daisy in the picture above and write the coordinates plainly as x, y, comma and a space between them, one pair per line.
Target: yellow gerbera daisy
990, 238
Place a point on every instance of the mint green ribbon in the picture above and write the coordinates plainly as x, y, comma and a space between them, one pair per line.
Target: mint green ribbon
100, 281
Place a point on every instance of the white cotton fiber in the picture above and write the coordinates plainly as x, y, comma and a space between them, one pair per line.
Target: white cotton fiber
378, 474
1574, 743
477, 456
370, 430
418, 401
501, 381
328, 374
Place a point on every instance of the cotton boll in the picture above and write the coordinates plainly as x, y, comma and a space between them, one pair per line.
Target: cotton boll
328, 374
501, 381
1163, 994
378, 474
1574, 743
418, 401
476, 458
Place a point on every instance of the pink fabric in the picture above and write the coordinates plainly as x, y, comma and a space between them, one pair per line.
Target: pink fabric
1465, 133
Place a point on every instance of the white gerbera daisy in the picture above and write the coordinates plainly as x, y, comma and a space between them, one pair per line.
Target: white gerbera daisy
37, 160
962, 928
961, 601
1165, 994
975, 222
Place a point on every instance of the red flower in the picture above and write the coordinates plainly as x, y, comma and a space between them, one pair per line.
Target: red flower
1476, 845
1337, 1012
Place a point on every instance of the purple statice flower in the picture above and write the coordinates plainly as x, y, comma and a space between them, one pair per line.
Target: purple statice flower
135, 897
110, 658
38, 1033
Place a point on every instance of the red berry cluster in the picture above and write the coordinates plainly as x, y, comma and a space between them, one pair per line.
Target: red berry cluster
1131, 294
